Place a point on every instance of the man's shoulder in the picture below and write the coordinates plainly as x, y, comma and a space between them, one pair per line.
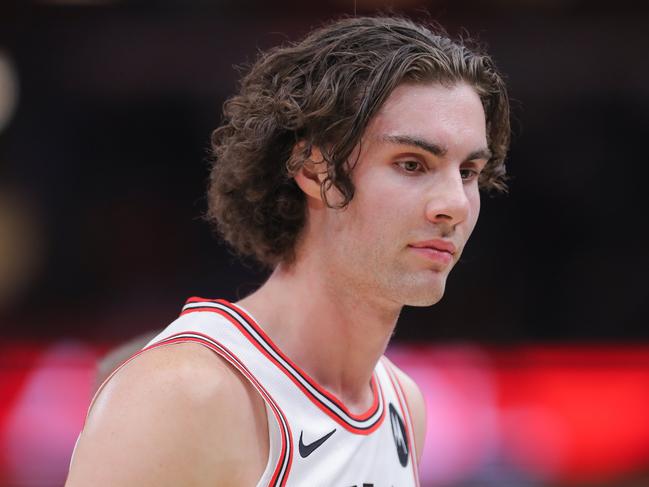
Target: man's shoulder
177, 411
186, 382
177, 370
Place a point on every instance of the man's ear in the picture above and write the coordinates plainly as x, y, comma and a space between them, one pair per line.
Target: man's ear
311, 174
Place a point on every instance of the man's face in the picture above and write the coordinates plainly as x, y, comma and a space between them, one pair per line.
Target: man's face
416, 201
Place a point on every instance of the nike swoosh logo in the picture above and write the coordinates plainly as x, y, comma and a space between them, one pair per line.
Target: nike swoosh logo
306, 450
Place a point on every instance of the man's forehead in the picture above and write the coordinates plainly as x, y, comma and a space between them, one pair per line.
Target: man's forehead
431, 117
432, 92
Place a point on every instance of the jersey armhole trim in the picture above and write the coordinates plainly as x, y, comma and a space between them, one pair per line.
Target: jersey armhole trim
283, 466
405, 410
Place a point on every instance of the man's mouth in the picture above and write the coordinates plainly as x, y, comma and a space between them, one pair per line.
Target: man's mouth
437, 250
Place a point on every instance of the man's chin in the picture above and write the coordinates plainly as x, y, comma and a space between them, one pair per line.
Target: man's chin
425, 302
424, 298
419, 289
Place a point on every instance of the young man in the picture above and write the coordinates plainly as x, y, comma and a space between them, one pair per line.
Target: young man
350, 164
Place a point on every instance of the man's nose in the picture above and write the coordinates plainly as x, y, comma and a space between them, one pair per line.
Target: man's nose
447, 200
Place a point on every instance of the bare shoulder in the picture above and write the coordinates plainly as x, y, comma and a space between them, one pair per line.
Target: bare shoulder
416, 404
175, 415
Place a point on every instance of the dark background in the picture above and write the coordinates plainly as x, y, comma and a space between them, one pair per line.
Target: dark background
103, 166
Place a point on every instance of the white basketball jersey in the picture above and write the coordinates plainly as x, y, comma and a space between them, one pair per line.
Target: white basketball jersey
314, 439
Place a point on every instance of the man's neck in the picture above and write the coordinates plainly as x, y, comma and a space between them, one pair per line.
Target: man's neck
334, 335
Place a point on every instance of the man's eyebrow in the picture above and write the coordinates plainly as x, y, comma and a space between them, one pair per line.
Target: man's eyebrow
485, 154
433, 148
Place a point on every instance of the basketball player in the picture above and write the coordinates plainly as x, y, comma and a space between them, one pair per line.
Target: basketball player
350, 164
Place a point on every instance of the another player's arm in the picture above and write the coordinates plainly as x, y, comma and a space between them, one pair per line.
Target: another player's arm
417, 406
176, 415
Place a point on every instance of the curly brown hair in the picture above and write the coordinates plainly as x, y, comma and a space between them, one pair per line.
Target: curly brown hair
322, 92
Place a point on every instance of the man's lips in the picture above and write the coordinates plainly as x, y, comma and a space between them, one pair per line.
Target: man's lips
440, 251
437, 244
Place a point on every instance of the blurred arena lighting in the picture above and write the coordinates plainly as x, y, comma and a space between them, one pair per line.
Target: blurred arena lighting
532, 415
519, 416
8, 89
40, 424
21, 244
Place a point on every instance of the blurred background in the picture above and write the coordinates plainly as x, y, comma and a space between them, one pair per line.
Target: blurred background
536, 363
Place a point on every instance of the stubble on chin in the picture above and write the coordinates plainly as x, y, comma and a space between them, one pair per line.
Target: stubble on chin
420, 288
424, 294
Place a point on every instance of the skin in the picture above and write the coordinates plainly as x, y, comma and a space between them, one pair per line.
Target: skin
183, 416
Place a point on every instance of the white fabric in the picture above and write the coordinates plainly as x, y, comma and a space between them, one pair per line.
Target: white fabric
348, 457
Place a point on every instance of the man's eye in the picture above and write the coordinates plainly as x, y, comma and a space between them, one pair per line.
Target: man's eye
411, 166
469, 174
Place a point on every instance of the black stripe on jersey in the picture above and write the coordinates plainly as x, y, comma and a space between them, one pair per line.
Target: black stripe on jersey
250, 330
215, 346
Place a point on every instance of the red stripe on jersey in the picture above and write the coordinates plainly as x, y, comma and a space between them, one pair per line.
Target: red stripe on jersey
374, 383
398, 389
358, 417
